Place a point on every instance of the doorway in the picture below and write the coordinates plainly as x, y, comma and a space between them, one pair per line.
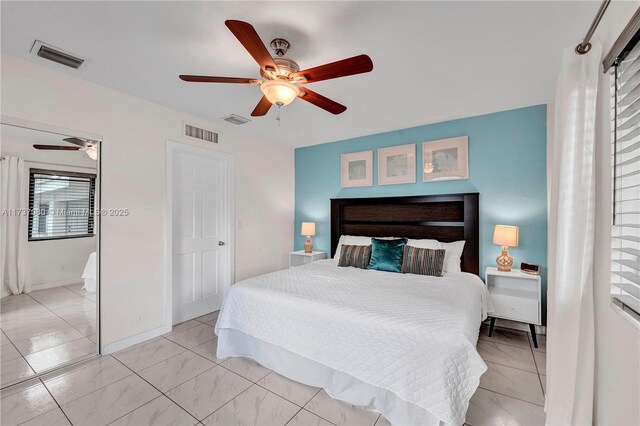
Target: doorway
199, 229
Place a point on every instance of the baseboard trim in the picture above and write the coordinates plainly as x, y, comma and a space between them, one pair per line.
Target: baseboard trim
43, 286
134, 340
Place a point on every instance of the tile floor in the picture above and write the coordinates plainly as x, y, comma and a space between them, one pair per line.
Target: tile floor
45, 328
176, 379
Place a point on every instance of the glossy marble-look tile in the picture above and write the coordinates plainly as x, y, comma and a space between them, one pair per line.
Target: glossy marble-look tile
543, 382
111, 402
245, 367
508, 355
16, 299
48, 358
68, 307
37, 329
89, 377
54, 417
490, 408
4, 340
14, 370
340, 413
27, 319
293, 391
76, 288
20, 312
25, 403
542, 343
40, 342
86, 328
8, 352
541, 362
208, 350
209, 318
209, 391
193, 336
513, 382
506, 336
160, 411
306, 418
148, 353
80, 317
382, 421
255, 406
176, 370
178, 328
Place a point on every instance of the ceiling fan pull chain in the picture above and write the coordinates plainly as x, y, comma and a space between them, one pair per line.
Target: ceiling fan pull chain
278, 117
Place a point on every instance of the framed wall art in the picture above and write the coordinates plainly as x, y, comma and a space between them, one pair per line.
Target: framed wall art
357, 169
397, 164
445, 159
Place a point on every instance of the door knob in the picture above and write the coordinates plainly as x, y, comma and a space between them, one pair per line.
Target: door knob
220, 243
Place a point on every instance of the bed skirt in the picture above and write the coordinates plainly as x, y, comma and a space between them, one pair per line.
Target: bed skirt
339, 385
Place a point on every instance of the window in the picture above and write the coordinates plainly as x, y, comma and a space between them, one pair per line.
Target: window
625, 230
61, 204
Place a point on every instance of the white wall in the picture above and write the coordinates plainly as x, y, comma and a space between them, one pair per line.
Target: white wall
52, 262
133, 176
617, 390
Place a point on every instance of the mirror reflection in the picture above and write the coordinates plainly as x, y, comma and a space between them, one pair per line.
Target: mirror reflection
48, 314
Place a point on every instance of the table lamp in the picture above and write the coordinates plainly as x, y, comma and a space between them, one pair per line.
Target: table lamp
505, 236
308, 229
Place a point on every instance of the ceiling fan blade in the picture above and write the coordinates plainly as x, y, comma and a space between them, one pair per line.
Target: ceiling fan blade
356, 65
320, 101
262, 108
208, 79
249, 38
77, 141
57, 147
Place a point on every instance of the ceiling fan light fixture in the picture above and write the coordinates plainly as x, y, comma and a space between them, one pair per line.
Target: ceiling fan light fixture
91, 152
280, 92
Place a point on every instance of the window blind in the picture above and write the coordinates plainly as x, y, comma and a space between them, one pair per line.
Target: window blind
61, 204
625, 231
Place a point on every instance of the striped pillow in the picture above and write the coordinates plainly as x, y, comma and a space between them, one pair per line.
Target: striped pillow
356, 256
423, 261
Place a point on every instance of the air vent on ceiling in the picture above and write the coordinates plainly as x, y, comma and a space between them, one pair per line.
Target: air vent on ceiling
236, 119
56, 55
200, 133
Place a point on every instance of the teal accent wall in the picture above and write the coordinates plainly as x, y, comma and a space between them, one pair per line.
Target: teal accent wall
507, 166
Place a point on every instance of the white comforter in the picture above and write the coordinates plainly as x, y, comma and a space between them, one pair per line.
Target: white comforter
412, 335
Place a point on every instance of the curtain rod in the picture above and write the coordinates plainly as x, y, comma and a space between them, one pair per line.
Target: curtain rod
585, 46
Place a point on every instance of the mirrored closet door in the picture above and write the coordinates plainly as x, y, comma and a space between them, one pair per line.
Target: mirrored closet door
48, 251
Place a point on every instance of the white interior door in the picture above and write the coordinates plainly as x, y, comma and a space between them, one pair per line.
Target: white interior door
201, 218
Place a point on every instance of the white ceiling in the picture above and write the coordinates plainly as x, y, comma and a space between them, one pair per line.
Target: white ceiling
433, 61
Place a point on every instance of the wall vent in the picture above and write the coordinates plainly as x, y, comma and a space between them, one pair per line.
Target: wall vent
196, 132
236, 119
51, 53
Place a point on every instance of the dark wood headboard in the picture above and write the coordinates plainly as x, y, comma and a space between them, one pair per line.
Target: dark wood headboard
445, 218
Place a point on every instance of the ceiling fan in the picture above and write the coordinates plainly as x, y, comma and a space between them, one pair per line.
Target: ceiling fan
282, 75
89, 147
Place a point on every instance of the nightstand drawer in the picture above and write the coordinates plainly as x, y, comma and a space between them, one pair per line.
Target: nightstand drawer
515, 308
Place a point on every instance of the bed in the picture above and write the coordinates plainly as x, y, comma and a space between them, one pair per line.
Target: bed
399, 344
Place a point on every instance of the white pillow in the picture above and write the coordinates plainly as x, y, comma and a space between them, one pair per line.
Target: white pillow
430, 244
452, 255
351, 240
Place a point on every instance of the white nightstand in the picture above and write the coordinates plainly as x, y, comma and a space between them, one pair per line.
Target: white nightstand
516, 296
299, 258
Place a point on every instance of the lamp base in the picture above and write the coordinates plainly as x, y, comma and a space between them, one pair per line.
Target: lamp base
504, 261
308, 247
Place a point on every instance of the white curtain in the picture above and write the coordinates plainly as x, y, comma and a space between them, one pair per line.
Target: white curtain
14, 221
570, 304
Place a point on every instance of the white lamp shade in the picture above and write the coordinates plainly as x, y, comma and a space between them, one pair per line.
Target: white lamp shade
505, 235
308, 229
279, 91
